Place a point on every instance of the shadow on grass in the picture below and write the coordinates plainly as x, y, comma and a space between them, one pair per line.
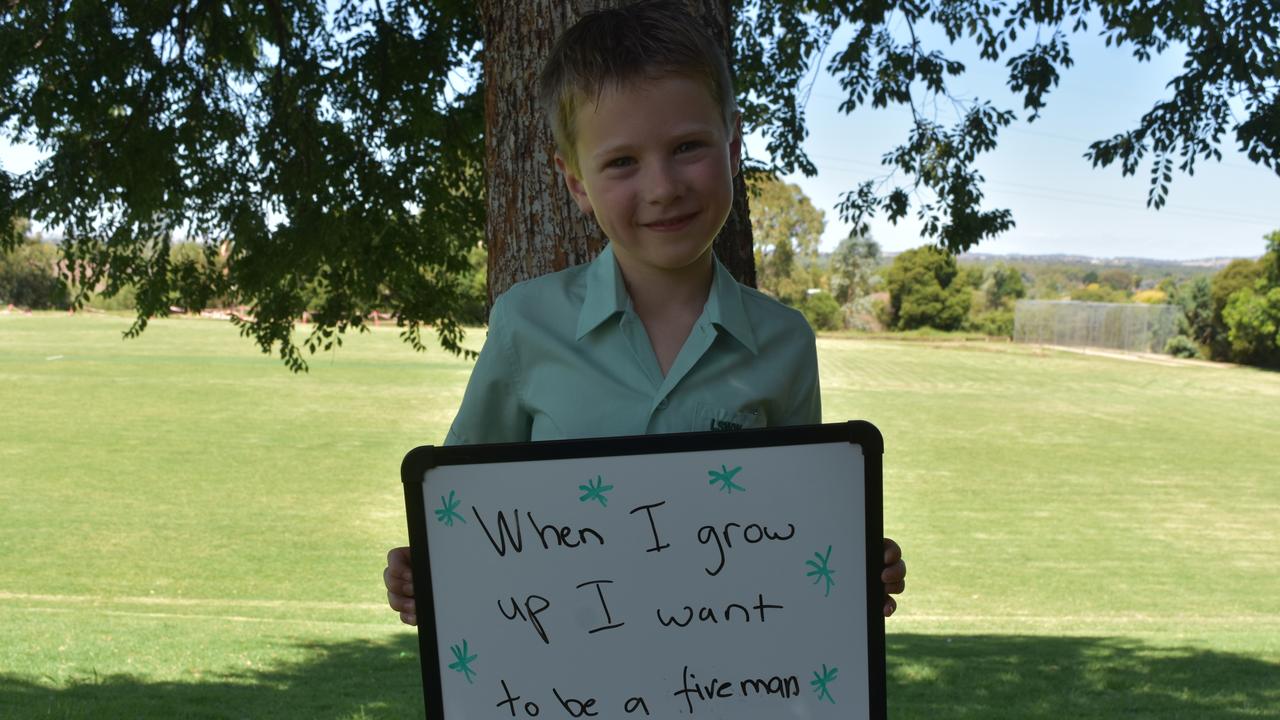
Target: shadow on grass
930, 676
344, 680
1011, 676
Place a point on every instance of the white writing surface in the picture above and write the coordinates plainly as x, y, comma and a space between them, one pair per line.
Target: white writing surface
726, 583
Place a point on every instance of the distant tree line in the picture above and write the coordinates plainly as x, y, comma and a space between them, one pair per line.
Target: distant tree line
853, 287
29, 273
1235, 315
33, 276
1232, 315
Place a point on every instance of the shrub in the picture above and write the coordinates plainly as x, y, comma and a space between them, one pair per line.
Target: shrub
1197, 304
926, 289
29, 277
822, 311
124, 299
864, 314
1236, 276
882, 309
995, 323
1182, 346
1253, 322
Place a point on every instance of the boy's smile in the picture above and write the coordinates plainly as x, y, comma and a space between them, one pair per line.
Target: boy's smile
656, 169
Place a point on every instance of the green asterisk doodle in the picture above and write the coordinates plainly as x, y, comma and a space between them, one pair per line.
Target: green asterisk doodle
819, 683
595, 491
726, 476
448, 513
821, 570
463, 664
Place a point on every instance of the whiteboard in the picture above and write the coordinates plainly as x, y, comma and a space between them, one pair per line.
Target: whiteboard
719, 575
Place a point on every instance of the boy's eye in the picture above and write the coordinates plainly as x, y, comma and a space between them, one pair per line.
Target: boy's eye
688, 146
619, 162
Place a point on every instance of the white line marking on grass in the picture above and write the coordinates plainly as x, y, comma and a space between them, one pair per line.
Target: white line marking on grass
190, 602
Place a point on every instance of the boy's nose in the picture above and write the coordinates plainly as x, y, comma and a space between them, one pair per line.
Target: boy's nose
663, 184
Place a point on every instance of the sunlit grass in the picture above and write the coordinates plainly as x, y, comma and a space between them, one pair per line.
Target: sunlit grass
189, 530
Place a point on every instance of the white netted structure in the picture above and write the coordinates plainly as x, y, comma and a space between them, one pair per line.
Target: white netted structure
1134, 327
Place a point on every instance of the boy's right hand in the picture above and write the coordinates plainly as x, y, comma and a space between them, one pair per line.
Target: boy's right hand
398, 577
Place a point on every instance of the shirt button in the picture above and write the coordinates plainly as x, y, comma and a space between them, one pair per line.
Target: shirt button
662, 405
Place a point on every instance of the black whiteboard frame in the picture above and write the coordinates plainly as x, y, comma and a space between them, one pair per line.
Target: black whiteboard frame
418, 461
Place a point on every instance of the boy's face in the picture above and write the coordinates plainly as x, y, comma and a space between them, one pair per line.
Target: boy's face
655, 168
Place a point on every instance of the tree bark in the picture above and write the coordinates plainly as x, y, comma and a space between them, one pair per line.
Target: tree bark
533, 226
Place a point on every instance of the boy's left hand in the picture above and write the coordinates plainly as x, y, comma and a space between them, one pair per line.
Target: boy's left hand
894, 575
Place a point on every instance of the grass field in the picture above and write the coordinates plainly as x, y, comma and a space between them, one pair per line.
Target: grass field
188, 530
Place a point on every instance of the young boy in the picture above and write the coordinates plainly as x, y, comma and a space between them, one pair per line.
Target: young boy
654, 335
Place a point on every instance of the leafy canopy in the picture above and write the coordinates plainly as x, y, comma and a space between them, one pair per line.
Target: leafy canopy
326, 149
322, 153
1228, 83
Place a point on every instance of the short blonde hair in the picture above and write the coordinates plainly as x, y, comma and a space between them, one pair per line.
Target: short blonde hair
643, 41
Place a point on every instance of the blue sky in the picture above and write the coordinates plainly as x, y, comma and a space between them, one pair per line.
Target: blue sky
1059, 202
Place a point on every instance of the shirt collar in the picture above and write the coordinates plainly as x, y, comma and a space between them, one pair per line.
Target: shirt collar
606, 293
606, 296
725, 308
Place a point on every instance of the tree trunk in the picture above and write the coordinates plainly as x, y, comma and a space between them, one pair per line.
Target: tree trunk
533, 226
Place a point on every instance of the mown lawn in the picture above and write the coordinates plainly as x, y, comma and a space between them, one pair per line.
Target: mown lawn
189, 530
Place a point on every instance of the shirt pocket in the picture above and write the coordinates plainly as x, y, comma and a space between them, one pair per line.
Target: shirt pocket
709, 417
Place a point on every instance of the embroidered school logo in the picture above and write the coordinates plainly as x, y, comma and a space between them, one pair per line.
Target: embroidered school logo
724, 425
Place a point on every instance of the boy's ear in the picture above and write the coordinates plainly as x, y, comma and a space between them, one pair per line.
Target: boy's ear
574, 184
735, 146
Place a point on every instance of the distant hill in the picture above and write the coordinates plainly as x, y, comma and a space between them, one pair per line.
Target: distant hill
1054, 275
1078, 265
1065, 259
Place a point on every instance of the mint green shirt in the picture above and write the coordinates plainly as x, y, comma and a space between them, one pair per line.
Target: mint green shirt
567, 357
